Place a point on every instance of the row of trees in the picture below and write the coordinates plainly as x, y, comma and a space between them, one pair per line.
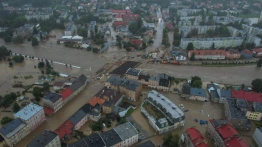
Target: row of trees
137, 27
165, 38
176, 37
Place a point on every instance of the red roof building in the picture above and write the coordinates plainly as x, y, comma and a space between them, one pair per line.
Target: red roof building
65, 130
136, 42
208, 54
66, 93
196, 137
119, 23
226, 131
130, 17
257, 51
236, 142
96, 100
48, 111
248, 96
121, 11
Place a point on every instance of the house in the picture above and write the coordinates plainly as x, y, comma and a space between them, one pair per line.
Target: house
111, 138
257, 136
144, 79
163, 82
45, 139
66, 95
136, 42
24, 31
217, 94
246, 54
132, 73
235, 112
70, 29
256, 112
115, 82
148, 143
170, 26
129, 18
78, 85
131, 89
33, 115
208, 54
93, 140
249, 96
123, 108
78, 119
257, 52
224, 135
193, 138
122, 12
58, 85
91, 28
53, 101
65, 130
233, 54
93, 112
191, 93
117, 25
128, 133
14, 131
149, 26
153, 81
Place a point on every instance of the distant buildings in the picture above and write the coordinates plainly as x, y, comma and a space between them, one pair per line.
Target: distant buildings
185, 30
187, 12
206, 43
93, 140
70, 29
208, 54
39, 15
233, 54
171, 116
193, 138
191, 93
70, 39
24, 31
45, 139
257, 136
257, 52
224, 135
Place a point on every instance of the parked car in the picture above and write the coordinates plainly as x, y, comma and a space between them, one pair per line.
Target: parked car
186, 110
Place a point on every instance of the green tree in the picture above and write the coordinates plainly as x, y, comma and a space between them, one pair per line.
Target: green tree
6, 120
213, 46
4, 52
41, 65
18, 59
259, 63
37, 92
192, 58
8, 38
35, 31
34, 42
170, 140
195, 78
197, 84
190, 46
257, 85
95, 50
16, 107
18, 39
46, 86
96, 29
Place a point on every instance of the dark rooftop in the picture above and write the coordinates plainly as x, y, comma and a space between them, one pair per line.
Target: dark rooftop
53, 97
110, 137
164, 82
111, 94
146, 144
133, 72
198, 92
186, 89
214, 94
124, 67
77, 116
12, 127
235, 108
43, 139
80, 81
116, 80
143, 77
93, 140
131, 85
126, 105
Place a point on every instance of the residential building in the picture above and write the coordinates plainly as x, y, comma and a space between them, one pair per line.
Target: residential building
2, 142
185, 30
58, 85
132, 73
246, 54
223, 134
123, 108
115, 82
53, 101
66, 95
256, 112
91, 28
163, 82
24, 31
193, 138
70, 29
121, 12
148, 143
117, 25
257, 52
144, 79
179, 56
65, 130
171, 115
33, 115
153, 81
14, 131
93, 112
130, 18
187, 12
235, 32
248, 96
257, 136
39, 15
217, 94
235, 112
64, 15
137, 42
128, 133
111, 138
150, 26
251, 30
45, 139
208, 54
233, 54
253, 39
78, 119
206, 43
93, 140
191, 93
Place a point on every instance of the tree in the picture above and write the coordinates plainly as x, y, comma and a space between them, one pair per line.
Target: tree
259, 63
10, 64
213, 46
18, 59
4, 52
193, 79
192, 58
96, 29
18, 39
8, 38
190, 46
41, 65
16, 107
6, 120
197, 84
34, 42
46, 86
37, 92
144, 45
170, 140
257, 85
95, 50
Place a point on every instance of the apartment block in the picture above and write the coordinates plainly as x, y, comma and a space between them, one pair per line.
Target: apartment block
256, 112
70, 29
128, 133
193, 138
185, 30
53, 101
257, 136
45, 139
208, 54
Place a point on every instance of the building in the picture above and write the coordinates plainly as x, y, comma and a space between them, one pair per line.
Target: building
65, 130
14, 131
206, 43
249, 96
33, 115
132, 73
58, 85
217, 94
24, 31
66, 95
53, 101
163, 82
193, 138
233, 54
121, 12
148, 143
39, 15
93, 140
235, 112
70, 29
71, 39
171, 116
91, 28
130, 18
128, 133
257, 136
223, 134
93, 112
144, 79
117, 25
191, 93
256, 112
187, 12
115, 82
208, 54
136, 42
251, 30
257, 52
2, 142
153, 81
45, 139
111, 138
235, 32
78, 119
185, 30
246, 54
179, 56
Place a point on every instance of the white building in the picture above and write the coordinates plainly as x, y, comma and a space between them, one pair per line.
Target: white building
184, 30
260, 18
206, 43
251, 30
39, 15
45, 139
235, 32
173, 116
257, 136
33, 115
186, 12
128, 133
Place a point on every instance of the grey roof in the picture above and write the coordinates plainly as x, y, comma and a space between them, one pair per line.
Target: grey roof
186, 89
143, 77
69, 26
218, 122
133, 72
12, 127
126, 130
87, 108
43, 139
235, 108
53, 97
80, 81
126, 105
257, 106
154, 78
93, 140
198, 92
164, 82
116, 80
214, 86
163, 76
77, 116
131, 85
108, 103
225, 93
111, 137
214, 94
146, 144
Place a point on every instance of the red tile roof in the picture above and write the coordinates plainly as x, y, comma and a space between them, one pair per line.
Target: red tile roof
121, 11
257, 50
226, 131
236, 142
95, 100
128, 17
208, 52
64, 129
196, 137
246, 51
48, 111
232, 51
119, 23
66, 93
105, 93
58, 84
248, 96
136, 41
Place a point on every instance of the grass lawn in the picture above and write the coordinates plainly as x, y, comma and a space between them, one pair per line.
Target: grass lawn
130, 111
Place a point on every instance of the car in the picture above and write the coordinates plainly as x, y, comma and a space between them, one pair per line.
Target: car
186, 110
